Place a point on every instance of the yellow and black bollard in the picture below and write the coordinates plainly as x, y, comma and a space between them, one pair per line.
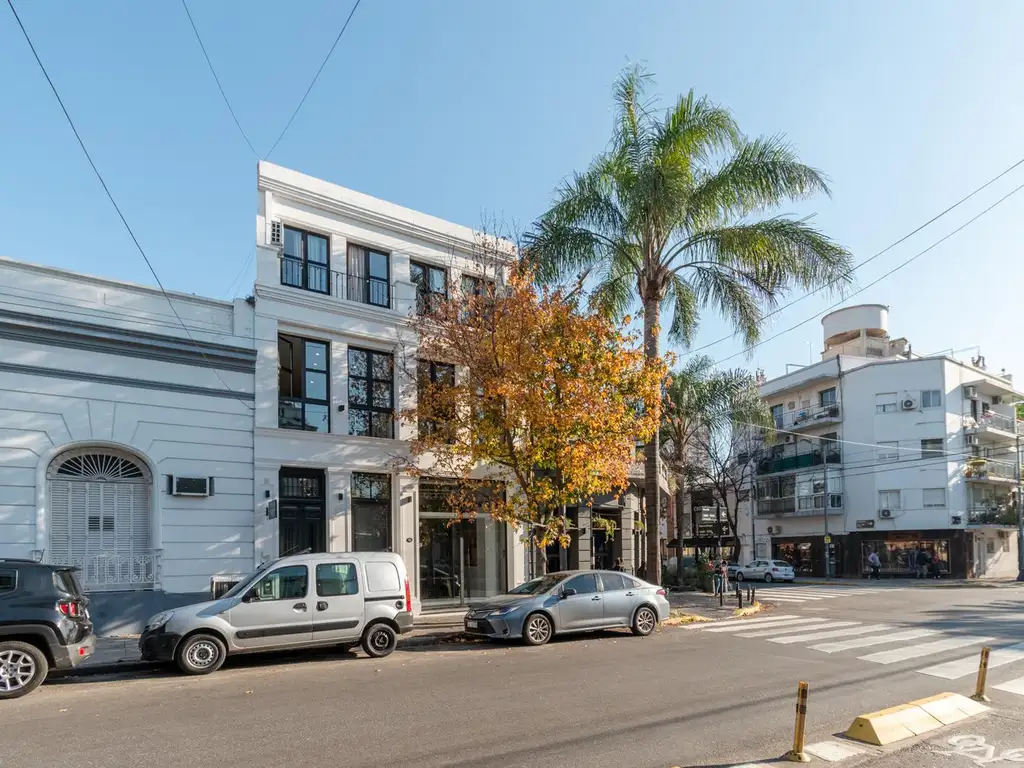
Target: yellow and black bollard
797, 754
979, 691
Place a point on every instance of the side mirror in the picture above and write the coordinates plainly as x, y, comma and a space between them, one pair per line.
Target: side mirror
568, 592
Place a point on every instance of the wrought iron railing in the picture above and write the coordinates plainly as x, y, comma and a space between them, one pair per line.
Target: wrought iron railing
318, 278
116, 572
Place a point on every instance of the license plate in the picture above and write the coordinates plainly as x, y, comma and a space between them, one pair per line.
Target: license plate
470, 624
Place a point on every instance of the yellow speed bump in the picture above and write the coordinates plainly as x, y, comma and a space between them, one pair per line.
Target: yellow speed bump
896, 723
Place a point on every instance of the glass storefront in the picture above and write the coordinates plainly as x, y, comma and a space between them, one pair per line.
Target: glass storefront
802, 555
459, 560
900, 557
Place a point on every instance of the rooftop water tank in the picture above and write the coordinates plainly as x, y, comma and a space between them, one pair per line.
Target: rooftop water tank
846, 324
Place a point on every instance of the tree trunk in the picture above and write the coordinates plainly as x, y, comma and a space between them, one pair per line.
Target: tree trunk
652, 455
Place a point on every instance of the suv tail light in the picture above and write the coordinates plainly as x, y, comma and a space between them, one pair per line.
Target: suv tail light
408, 596
70, 608
662, 592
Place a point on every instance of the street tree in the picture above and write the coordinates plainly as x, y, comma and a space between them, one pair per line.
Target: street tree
704, 429
537, 394
675, 215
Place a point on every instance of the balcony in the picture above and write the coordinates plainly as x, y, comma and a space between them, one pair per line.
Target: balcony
991, 423
805, 418
770, 465
990, 470
804, 506
990, 515
318, 278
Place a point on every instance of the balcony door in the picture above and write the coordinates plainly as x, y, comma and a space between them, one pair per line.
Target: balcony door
369, 275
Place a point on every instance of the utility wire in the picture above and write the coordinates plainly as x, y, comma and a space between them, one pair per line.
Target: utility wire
113, 202
882, 252
315, 78
216, 79
892, 271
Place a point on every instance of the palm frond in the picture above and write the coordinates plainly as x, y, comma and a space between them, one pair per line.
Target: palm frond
684, 310
616, 289
695, 130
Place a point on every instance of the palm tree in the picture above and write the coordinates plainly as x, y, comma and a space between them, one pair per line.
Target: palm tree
668, 215
702, 407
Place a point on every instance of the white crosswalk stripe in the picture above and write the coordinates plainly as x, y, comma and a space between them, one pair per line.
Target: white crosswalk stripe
789, 595
951, 670
924, 649
855, 635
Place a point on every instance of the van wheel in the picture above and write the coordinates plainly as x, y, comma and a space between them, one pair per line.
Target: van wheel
23, 667
200, 654
379, 641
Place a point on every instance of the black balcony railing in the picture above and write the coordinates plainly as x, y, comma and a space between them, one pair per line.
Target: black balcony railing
769, 465
318, 278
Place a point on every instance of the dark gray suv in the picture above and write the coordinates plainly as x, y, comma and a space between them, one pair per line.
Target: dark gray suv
44, 624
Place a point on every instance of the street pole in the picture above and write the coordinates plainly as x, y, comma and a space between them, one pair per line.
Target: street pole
1020, 518
828, 558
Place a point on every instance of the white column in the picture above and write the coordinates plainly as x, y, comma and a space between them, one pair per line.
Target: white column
339, 511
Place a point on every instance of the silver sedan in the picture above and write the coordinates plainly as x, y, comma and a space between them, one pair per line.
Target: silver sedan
570, 601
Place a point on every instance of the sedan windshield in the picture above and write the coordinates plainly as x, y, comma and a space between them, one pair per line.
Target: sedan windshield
538, 586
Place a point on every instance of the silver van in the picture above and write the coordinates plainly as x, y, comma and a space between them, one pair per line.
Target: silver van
304, 601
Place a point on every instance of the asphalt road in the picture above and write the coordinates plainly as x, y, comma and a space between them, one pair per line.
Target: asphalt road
683, 697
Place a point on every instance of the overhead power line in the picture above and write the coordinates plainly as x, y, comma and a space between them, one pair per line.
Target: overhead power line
113, 202
315, 78
216, 79
892, 271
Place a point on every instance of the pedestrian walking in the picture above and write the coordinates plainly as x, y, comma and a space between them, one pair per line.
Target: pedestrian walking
923, 561
876, 565
933, 566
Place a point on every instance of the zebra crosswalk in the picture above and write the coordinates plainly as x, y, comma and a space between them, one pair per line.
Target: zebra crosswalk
886, 644
793, 595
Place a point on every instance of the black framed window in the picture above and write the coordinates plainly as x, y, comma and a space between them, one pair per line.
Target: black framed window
371, 512
431, 286
369, 276
303, 384
827, 396
306, 261
371, 387
430, 374
478, 287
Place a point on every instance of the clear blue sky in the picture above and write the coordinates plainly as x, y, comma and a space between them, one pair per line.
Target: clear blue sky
473, 109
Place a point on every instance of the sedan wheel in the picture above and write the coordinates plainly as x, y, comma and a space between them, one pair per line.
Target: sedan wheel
768, 578
537, 630
644, 621
738, 576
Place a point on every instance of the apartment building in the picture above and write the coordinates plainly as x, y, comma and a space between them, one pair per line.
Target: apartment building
339, 275
126, 436
879, 449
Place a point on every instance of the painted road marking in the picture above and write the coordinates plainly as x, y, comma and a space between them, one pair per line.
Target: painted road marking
852, 627
789, 626
738, 625
833, 751
1012, 686
866, 642
951, 670
924, 649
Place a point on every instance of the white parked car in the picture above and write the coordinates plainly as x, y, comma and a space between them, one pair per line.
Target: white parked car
765, 570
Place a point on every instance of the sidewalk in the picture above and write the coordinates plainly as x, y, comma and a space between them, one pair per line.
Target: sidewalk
121, 654
706, 605
910, 582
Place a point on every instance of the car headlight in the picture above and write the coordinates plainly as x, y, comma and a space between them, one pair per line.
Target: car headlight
505, 611
159, 620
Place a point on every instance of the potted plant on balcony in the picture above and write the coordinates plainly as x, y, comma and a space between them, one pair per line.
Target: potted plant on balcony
976, 468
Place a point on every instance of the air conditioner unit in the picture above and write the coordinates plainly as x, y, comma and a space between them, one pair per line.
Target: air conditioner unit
885, 514
970, 391
789, 438
774, 529
276, 233
956, 520
909, 404
791, 405
971, 440
189, 486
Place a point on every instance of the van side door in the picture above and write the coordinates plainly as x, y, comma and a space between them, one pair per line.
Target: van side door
338, 602
275, 612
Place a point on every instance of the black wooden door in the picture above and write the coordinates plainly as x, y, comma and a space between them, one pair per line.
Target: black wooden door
302, 521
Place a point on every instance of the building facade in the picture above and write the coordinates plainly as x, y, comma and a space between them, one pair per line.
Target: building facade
126, 442
879, 450
339, 276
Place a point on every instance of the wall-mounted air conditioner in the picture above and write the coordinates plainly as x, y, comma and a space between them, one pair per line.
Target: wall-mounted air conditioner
971, 440
997, 400
774, 529
970, 391
956, 520
885, 514
909, 403
189, 486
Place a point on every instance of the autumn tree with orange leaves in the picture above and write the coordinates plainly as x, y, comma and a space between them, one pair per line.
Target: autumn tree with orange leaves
522, 388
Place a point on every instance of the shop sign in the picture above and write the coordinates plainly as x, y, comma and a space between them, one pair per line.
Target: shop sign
828, 539
711, 530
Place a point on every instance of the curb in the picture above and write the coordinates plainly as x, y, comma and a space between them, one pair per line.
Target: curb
138, 665
912, 719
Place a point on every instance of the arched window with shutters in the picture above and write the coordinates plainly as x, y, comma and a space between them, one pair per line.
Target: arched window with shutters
100, 512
